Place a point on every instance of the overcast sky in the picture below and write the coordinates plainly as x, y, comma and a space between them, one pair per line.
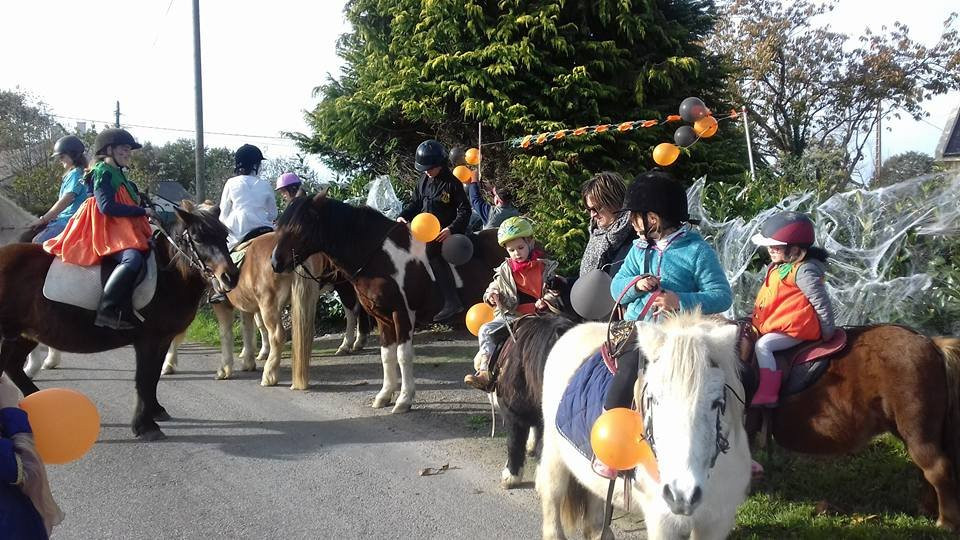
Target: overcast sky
261, 61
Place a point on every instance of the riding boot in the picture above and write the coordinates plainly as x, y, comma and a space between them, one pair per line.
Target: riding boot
116, 305
481, 379
768, 391
451, 298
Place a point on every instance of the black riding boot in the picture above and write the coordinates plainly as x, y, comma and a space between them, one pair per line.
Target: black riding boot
116, 305
451, 298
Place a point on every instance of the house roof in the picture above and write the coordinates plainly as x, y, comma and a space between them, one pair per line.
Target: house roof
949, 147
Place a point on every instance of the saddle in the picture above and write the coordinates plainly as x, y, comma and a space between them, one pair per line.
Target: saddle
82, 286
239, 251
802, 365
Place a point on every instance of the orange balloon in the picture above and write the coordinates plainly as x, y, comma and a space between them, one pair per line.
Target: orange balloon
425, 227
463, 173
666, 153
705, 127
617, 440
472, 156
477, 316
65, 424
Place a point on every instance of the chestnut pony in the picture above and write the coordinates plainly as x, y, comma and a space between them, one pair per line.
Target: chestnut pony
26, 317
388, 270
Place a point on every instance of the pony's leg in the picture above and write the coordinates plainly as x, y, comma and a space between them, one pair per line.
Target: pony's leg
408, 386
363, 328
264, 339
32, 367
150, 352
517, 433
247, 360
534, 440
553, 480
170, 361
224, 315
925, 449
271, 318
13, 355
349, 333
52, 361
388, 357
593, 528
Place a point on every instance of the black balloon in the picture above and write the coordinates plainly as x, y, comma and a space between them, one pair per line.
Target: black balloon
590, 296
692, 109
684, 136
458, 156
457, 249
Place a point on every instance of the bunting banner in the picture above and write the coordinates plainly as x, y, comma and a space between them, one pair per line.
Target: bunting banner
528, 141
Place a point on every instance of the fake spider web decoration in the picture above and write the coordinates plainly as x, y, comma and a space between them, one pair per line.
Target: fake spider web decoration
884, 245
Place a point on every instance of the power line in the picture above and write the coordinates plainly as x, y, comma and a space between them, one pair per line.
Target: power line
180, 130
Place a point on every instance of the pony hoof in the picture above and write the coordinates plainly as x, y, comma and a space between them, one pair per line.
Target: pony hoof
248, 367
152, 435
400, 408
168, 369
296, 386
510, 481
268, 379
382, 401
161, 416
51, 365
342, 350
223, 374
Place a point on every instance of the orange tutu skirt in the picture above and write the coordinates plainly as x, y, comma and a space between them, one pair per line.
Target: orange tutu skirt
90, 235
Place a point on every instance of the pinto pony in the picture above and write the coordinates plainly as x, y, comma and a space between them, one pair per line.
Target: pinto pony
388, 270
198, 252
689, 393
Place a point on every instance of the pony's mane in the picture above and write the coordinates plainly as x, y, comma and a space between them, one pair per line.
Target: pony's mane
691, 352
331, 220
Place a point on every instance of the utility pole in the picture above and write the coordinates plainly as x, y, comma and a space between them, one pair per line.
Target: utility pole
746, 131
198, 87
116, 122
876, 174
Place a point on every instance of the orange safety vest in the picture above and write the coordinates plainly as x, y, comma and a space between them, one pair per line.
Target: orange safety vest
529, 280
782, 307
91, 235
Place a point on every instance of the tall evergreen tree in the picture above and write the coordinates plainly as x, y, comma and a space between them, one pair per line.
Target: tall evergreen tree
418, 69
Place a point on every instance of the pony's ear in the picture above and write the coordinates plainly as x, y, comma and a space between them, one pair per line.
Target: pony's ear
184, 216
187, 205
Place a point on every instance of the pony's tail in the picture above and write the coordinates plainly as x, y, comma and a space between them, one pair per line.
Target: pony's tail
304, 295
950, 349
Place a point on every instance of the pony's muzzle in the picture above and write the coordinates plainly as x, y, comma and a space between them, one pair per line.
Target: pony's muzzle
682, 502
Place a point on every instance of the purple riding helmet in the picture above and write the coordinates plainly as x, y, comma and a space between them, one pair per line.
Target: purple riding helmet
287, 179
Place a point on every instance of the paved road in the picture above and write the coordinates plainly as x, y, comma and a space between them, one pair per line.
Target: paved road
243, 461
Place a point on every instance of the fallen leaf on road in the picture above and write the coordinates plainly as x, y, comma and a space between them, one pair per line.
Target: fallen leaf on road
430, 471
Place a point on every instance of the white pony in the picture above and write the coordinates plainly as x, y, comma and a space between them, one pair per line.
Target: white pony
691, 398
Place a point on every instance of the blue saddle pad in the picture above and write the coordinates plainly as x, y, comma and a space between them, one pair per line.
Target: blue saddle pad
582, 403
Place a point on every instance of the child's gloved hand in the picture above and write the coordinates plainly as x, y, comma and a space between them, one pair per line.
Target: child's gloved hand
666, 302
493, 299
647, 284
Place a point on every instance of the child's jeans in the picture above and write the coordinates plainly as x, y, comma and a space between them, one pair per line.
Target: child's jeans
487, 344
769, 344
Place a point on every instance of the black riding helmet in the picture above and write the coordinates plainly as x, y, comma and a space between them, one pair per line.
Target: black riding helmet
458, 156
114, 137
430, 154
658, 192
247, 157
70, 145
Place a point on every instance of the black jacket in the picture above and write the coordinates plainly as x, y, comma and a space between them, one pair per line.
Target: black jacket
443, 197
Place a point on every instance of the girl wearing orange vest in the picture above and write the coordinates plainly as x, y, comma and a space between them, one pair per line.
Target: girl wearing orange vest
792, 305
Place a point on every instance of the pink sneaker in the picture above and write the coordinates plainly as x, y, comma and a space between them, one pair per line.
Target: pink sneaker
768, 392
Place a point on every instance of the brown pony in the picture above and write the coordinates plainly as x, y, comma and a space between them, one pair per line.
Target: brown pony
888, 379
389, 271
26, 317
